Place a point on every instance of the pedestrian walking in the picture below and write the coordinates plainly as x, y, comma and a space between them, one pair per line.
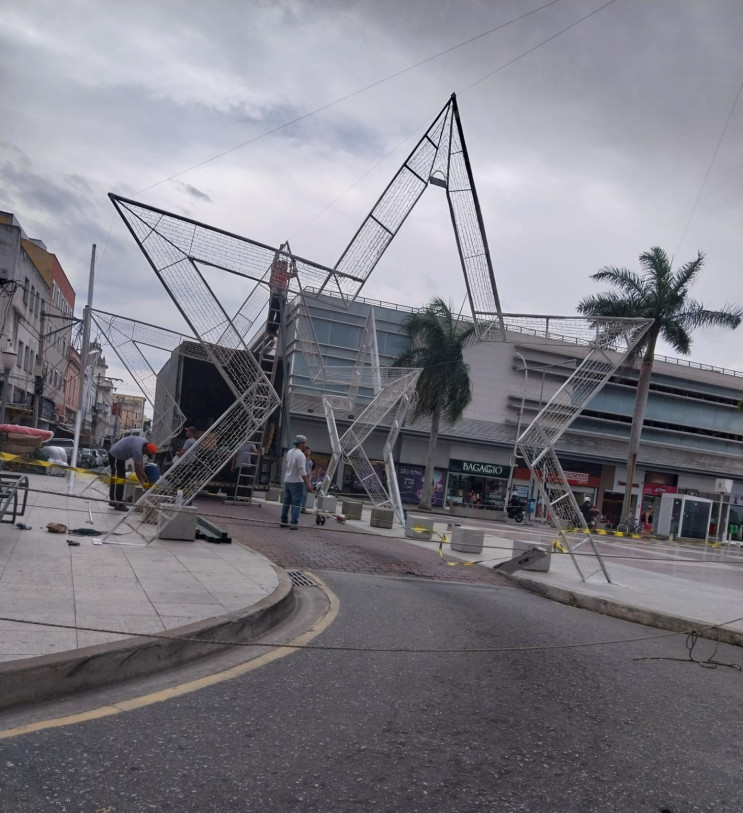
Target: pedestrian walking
132, 448
296, 483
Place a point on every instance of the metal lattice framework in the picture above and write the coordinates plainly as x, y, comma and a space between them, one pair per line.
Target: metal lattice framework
175, 248
393, 392
179, 249
439, 158
605, 343
129, 339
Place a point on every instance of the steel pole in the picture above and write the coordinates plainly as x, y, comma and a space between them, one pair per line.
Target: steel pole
518, 426
83, 365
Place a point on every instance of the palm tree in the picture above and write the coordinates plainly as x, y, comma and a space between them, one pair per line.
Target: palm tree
437, 342
660, 294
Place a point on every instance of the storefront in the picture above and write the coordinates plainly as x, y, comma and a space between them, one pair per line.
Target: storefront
583, 477
652, 492
477, 485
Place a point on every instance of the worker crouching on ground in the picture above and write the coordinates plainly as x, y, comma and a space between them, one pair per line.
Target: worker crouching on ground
134, 448
296, 481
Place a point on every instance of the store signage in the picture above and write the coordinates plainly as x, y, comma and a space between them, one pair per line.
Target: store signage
574, 478
479, 469
656, 489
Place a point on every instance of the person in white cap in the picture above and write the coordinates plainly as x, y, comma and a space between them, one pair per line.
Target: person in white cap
296, 481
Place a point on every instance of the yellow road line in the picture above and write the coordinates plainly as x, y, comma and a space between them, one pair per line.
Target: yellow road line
192, 685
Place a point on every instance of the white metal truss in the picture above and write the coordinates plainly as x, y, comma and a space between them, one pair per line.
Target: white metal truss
391, 391
388, 407
604, 344
439, 158
175, 248
178, 248
129, 339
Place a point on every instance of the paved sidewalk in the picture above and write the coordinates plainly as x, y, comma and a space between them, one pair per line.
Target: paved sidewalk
152, 588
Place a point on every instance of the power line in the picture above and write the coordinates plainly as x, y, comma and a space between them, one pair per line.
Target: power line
709, 169
337, 101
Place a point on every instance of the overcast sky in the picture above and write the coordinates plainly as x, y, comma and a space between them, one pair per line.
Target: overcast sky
587, 151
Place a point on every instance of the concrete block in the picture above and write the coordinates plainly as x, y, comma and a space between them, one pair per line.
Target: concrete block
543, 565
327, 503
274, 494
425, 524
382, 518
181, 527
352, 509
467, 540
310, 502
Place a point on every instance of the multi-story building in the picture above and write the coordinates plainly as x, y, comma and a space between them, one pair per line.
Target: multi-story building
127, 413
71, 388
37, 303
692, 435
55, 335
24, 292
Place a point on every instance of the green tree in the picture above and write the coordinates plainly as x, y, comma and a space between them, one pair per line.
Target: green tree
437, 341
660, 294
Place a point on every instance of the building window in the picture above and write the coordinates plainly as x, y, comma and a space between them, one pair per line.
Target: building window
25, 291
37, 304
19, 359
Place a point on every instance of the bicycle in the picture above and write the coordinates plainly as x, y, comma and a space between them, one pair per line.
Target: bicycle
631, 526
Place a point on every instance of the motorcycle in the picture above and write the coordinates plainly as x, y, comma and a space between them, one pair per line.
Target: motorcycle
515, 512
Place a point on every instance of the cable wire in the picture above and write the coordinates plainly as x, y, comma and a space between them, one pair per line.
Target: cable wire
337, 101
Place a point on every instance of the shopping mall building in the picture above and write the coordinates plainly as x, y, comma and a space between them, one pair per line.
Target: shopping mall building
692, 435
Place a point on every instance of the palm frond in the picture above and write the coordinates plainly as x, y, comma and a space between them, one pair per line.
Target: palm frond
695, 315
685, 275
622, 278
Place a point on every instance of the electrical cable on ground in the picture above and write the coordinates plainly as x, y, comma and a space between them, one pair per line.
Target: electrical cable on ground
375, 649
691, 641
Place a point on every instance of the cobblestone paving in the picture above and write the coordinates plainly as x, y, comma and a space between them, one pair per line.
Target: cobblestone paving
335, 546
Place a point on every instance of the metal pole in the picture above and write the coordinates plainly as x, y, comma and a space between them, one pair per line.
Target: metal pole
39, 385
83, 365
518, 426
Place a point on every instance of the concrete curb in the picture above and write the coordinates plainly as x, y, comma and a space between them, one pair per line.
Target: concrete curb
48, 677
638, 615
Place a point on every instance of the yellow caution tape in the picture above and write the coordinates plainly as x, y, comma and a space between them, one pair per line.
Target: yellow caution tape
32, 461
442, 542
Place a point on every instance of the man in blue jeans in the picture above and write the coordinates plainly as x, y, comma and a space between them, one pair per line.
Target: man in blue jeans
295, 483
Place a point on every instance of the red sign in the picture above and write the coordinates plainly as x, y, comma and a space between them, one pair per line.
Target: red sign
655, 489
575, 478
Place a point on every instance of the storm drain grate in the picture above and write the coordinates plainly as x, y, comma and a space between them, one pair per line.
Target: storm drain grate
298, 579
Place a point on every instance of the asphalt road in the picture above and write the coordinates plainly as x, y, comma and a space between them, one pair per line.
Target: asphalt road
535, 722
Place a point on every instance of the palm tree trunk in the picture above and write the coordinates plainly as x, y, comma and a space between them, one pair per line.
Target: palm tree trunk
427, 491
638, 417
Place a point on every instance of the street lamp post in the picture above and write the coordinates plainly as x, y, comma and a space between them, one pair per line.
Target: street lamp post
9, 359
509, 485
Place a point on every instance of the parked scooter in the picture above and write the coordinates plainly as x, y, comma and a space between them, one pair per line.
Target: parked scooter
515, 512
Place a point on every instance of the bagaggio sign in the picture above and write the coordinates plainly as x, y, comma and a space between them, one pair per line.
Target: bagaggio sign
475, 469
